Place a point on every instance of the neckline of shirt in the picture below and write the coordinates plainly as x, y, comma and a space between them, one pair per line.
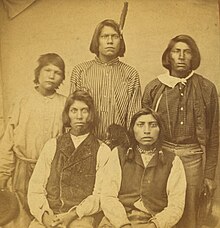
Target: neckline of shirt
46, 97
172, 81
111, 62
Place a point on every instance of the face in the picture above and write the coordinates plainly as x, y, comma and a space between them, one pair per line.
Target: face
109, 44
146, 130
79, 115
180, 59
49, 79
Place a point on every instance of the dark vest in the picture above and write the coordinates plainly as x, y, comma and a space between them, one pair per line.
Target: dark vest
73, 173
148, 183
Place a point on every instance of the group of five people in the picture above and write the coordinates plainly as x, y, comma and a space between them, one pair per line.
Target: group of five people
151, 178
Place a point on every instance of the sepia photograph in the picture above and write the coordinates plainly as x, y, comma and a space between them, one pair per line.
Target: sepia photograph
109, 113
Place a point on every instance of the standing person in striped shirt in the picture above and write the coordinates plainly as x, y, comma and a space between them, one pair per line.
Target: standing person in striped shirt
188, 105
114, 85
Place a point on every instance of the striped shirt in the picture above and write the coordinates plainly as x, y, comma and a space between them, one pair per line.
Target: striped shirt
115, 88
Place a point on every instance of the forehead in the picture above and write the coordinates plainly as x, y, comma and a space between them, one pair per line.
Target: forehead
146, 119
77, 104
181, 45
51, 67
108, 30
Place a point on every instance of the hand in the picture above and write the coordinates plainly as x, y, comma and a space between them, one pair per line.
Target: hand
48, 219
211, 185
64, 219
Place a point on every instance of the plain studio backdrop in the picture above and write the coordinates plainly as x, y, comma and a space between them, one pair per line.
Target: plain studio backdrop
66, 27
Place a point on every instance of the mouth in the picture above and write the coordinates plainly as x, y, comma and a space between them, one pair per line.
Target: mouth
50, 83
181, 64
147, 138
79, 124
110, 48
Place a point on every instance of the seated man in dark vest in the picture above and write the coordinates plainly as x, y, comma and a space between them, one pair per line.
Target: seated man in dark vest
65, 186
147, 187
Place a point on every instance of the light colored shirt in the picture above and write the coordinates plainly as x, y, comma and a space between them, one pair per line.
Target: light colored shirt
37, 198
115, 211
115, 88
33, 120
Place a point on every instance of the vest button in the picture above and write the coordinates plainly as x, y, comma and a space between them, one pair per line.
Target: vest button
148, 181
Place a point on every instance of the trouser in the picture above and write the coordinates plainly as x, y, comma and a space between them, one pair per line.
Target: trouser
85, 222
22, 220
191, 156
20, 181
138, 219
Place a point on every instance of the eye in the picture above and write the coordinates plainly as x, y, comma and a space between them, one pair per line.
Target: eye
73, 110
153, 125
175, 51
115, 36
85, 111
188, 52
59, 73
105, 37
140, 124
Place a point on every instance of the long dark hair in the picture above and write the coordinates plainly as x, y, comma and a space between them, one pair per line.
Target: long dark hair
133, 141
196, 58
94, 45
79, 95
117, 135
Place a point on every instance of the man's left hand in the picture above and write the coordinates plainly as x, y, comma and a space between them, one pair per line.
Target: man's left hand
211, 185
64, 219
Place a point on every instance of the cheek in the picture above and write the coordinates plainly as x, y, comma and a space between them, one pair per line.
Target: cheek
156, 133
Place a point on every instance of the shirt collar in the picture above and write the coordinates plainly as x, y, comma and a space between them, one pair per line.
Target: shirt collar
39, 94
77, 140
171, 81
111, 62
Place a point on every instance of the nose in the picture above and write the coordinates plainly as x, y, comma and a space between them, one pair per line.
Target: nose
79, 114
146, 129
51, 74
182, 55
110, 39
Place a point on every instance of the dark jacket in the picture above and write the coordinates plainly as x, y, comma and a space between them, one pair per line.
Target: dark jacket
206, 115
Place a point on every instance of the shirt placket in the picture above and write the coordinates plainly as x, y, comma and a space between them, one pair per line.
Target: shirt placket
181, 119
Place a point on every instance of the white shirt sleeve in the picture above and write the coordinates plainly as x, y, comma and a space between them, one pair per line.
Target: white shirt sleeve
37, 186
91, 204
110, 204
176, 190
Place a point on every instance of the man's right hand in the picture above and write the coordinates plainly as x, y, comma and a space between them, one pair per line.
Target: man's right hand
48, 219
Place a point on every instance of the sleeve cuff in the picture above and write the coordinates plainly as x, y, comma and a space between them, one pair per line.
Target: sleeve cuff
155, 221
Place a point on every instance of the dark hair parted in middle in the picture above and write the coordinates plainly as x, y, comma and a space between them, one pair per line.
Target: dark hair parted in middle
94, 46
145, 111
80, 95
195, 62
46, 59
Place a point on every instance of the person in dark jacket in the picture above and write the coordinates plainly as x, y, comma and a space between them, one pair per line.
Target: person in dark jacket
188, 105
